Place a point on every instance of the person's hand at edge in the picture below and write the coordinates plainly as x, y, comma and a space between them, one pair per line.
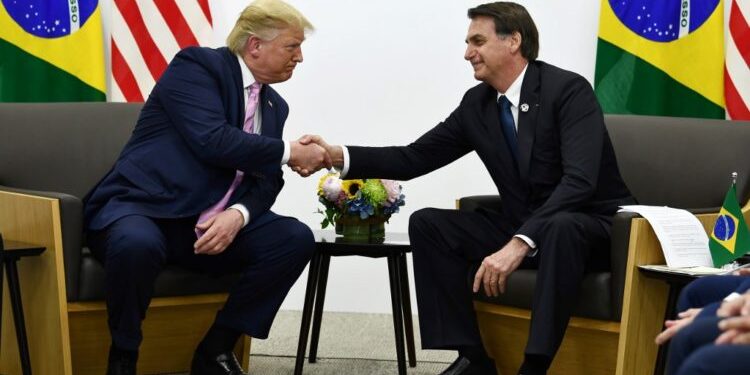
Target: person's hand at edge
736, 331
673, 326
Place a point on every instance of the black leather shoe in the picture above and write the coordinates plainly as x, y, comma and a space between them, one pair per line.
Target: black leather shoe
222, 364
463, 366
120, 366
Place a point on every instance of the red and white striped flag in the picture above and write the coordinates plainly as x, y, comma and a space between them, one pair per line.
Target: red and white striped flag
737, 68
146, 34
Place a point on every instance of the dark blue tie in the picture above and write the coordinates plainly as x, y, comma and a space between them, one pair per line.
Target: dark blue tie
509, 126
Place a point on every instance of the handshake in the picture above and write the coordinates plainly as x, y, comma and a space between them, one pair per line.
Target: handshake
311, 153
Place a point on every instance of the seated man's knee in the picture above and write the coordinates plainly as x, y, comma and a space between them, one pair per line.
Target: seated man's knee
301, 238
422, 219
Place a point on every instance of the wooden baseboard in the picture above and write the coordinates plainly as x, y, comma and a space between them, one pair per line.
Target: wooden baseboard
171, 331
589, 346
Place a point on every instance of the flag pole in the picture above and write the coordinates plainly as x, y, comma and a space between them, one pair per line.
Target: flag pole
734, 178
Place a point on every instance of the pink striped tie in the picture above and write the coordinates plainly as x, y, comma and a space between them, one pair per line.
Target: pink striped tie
252, 104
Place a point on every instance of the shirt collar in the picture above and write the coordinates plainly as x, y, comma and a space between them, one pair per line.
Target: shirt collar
513, 93
247, 76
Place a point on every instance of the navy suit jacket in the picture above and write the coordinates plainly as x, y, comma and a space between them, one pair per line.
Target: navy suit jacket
566, 162
188, 143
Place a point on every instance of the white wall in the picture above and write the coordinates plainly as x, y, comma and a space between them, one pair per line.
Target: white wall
382, 73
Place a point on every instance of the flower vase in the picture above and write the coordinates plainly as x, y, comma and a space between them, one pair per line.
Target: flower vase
354, 228
339, 228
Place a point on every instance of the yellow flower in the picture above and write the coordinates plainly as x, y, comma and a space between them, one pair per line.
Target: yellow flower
351, 187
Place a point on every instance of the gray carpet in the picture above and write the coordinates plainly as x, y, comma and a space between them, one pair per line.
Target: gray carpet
350, 343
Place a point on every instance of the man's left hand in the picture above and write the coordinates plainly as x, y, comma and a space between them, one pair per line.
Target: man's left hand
495, 268
218, 232
736, 331
740, 305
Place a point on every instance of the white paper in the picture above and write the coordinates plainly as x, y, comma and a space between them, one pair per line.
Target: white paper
682, 237
692, 271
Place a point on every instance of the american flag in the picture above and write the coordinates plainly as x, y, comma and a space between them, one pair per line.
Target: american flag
146, 34
737, 65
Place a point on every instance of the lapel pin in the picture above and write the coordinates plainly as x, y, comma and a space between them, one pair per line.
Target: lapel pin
270, 104
524, 107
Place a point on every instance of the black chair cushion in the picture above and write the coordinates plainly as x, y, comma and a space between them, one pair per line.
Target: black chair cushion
172, 282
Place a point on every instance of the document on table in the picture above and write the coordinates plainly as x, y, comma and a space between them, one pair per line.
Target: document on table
692, 271
682, 237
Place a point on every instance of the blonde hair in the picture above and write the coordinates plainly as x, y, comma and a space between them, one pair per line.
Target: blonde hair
263, 19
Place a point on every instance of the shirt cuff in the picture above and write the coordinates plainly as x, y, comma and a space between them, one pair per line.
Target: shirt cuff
531, 244
243, 210
345, 169
287, 154
733, 296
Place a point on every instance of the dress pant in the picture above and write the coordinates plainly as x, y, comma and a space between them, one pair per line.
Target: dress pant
134, 249
448, 244
693, 352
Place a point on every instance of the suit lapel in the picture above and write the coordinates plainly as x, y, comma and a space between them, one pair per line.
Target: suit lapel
234, 66
527, 120
491, 123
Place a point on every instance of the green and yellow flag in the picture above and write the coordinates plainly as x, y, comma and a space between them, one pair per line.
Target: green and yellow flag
51, 50
663, 58
730, 238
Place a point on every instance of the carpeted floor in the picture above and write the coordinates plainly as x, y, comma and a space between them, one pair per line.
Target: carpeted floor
350, 343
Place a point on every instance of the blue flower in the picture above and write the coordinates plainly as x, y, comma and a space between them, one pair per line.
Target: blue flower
394, 207
362, 207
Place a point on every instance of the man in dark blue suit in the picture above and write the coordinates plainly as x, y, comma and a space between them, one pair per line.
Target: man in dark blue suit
711, 334
194, 186
540, 133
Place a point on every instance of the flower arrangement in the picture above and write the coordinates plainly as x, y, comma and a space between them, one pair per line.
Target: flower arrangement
358, 199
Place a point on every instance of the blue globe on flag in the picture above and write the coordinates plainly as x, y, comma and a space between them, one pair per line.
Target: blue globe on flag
50, 18
663, 20
724, 228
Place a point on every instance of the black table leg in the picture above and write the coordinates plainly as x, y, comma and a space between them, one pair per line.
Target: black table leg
15, 296
403, 272
320, 297
304, 330
397, 312
661, 355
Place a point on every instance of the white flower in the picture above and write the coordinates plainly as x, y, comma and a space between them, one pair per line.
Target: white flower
332, 188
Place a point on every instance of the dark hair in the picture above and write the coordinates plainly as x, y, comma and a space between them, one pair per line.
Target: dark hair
509, 18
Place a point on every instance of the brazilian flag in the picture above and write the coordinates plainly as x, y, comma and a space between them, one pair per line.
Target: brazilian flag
662, 58
730, 238
51, 50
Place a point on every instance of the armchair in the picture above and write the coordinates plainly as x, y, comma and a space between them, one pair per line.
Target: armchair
677, 162
51, 154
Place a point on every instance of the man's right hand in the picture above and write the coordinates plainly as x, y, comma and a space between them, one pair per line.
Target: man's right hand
307, 159
335, 152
